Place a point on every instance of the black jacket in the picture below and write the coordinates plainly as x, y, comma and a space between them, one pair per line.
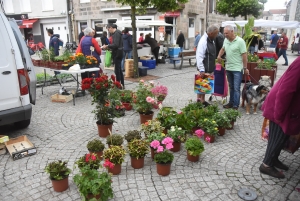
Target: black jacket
104, 40
80, 36
117, 42
151, 41
180, 40
127, 42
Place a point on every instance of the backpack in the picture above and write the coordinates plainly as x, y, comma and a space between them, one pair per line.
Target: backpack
60, 41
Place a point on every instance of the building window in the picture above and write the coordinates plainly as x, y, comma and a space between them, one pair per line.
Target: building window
47, 5
82, 26
25, 6
8, 6
191, 22
85, 1
98, 26
212, 6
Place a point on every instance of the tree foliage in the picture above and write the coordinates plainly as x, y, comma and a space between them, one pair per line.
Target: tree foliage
235, 8
140, 6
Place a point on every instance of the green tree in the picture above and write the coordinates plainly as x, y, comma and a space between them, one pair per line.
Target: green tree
139, 7
244, 8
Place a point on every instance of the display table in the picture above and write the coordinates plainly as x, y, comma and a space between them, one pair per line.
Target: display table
144, 51
267, 54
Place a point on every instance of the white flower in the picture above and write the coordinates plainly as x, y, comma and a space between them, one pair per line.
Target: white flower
179, 129
160, 106
172, 130
172, 127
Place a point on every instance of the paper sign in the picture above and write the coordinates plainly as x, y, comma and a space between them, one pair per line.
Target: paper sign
92, 48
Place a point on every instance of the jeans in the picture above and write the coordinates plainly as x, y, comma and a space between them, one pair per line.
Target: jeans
118, 71
181, 49
273, 45
283, 53
252, 49
234, 81
124, 57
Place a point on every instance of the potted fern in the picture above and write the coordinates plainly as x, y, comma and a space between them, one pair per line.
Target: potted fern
59, 174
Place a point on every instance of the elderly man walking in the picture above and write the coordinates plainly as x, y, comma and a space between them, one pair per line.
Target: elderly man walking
180, 40
236, 61
206, 55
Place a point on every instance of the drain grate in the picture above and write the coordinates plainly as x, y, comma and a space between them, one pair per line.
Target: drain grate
247, 194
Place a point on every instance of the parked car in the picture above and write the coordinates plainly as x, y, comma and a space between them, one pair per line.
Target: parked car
17, 76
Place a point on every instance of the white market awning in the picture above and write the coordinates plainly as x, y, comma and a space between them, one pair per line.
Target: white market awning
266, 23
142, 23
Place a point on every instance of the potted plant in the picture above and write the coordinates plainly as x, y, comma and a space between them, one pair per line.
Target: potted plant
96, 146
152, 126
167, 117
159, 136
160, 92
59, 174
115, 139
115, 99
210, 128
138, 148
131, 135
89, 160
143, 101
232, 115
194, 148
188, 120
126, 97
163, 157
178, 135
93, 184
114, 157
222, 121
105, 109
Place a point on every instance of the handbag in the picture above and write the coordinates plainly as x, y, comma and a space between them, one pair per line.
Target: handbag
107, 58
205, 84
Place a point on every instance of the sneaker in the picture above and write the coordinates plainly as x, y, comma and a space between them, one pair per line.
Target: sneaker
280, 165
271, 171
285, 64
229, 105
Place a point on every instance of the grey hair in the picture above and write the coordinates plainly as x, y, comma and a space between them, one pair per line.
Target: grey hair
212, 28
180, 31
87, 31
229, 27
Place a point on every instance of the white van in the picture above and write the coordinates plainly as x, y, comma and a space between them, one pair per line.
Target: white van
17, 76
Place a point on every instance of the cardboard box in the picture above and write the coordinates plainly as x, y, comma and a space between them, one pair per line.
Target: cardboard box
61, 98
20, 147
3, 138
145, 58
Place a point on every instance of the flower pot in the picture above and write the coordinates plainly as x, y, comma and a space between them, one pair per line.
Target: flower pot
176, 146
165, 131
60, 185
212, 137
98, 153
221, 131
127, 106
103, 130
91, 196
232, 124
192, 158
137, 163
116, 170
156, 106
145, 117
152, 153
163, 169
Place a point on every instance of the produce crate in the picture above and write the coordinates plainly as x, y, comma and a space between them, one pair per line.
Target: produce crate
173, 51
151, 64
143, 71
61, 98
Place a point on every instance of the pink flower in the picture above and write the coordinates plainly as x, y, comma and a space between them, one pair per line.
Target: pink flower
160, 149
87, 157
108, 164
93, 157
149, 99
155, 144
179, 112
169, 146
167, 140
142, 81
207, 139
199, 133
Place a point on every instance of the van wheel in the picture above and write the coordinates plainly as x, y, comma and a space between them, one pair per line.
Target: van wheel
23, 124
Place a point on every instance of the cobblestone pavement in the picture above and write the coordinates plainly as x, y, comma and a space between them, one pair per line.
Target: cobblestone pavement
61, 131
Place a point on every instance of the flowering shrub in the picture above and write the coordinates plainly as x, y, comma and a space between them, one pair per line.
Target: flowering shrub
152, 126
159, 136
167, 117
160, 92
194, 146
141, 101
114, 154
177, 134
90, 160
199, 133
108, 164
126, 96
210, 126
222, 120
80, 59
99, 88
163, 156
232, 114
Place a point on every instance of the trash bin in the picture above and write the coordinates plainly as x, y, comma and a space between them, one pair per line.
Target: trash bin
186, 44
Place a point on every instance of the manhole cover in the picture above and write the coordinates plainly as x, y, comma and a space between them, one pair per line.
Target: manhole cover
247, 194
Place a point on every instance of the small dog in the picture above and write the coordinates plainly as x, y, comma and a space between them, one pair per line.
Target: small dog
253, 94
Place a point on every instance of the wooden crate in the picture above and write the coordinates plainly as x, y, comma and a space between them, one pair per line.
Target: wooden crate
61, 98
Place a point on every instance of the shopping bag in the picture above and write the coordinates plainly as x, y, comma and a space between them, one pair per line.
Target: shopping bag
220, 81
204, 84
107, 58
292, 144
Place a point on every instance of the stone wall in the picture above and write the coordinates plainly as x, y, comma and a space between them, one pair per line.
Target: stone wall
297, 15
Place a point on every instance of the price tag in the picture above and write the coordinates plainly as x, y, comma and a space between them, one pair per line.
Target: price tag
92, 48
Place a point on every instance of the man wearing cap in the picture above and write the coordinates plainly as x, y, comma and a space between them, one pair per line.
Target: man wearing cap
117, 51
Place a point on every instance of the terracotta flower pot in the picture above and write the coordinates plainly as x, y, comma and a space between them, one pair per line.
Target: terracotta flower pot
98, 153
116, 170
165, 131
232, 124
212, 137
163, 169
192, 158
221, 131
60, 185
176, 146
145, 117
103, 130
90, 196
127, 106
137, 163
152, 153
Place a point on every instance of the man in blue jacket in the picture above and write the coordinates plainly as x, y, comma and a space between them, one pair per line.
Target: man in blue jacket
127, 46
54, 41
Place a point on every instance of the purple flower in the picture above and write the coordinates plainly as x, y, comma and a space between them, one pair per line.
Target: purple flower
155, 144
160, 149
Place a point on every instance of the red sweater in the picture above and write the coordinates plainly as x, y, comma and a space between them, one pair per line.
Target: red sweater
95, 44
284, 43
